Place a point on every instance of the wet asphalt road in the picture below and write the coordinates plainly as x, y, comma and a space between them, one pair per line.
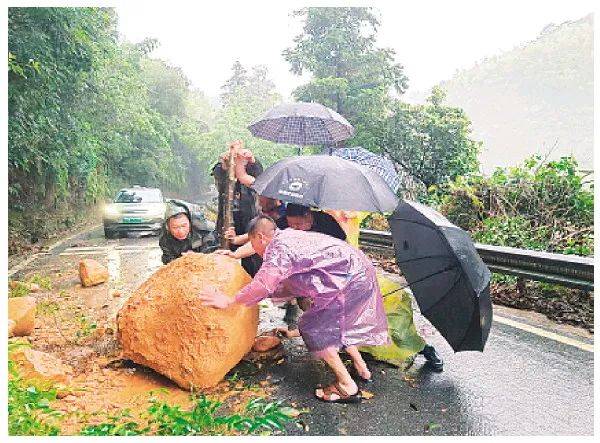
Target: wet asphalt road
523, 384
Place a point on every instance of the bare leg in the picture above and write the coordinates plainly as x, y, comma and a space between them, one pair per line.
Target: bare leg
333, 360
359, 363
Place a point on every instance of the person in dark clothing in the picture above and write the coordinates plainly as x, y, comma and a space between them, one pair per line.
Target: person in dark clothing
244, 198
304, 219
185, 230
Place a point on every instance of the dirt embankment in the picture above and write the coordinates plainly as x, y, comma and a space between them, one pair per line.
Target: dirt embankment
32, 230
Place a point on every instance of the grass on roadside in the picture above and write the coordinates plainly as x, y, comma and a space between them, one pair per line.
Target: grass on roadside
259, 417
29, 411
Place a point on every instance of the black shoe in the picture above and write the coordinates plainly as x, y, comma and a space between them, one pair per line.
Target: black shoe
292, 312
433, 358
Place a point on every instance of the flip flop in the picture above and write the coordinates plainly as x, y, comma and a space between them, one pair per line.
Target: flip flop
342, 396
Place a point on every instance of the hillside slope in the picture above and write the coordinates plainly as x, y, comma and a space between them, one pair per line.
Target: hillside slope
535, 98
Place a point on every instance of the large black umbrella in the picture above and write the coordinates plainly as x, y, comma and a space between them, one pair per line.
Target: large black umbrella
326, 182
446, 275
302, 124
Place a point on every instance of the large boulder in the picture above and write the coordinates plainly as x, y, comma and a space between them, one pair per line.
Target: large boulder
11, 327
92, 273
39, 365
21, 310
164, 325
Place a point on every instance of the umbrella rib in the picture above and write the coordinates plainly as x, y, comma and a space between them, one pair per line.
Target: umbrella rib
448, 268
435, 228
421, 258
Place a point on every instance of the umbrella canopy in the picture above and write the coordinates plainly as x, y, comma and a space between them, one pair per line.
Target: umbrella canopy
446, 275
326, 182
383, 166
302, 124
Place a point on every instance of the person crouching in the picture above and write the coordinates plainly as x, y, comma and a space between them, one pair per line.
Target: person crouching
346, 308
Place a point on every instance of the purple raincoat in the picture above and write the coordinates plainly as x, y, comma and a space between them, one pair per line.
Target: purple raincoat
347, 307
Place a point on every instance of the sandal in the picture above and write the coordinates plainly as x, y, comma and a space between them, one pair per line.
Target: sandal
354, 372
335, 390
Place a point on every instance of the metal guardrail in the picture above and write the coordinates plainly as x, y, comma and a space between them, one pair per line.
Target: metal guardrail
566, 270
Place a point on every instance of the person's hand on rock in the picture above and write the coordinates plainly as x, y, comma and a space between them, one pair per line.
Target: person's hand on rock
226, 252
210, 296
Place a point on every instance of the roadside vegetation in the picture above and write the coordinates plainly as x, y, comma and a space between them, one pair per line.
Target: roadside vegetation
30, 412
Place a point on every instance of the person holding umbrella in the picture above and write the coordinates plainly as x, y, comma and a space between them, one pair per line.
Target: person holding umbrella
346, 304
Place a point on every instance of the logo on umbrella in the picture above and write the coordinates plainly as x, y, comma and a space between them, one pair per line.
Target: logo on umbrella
295, 186
293, 189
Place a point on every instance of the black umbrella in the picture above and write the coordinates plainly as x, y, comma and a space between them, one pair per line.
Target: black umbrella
302, 124
446, 275
326, 182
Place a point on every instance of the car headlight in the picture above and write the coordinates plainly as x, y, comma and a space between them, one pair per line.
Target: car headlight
111, 211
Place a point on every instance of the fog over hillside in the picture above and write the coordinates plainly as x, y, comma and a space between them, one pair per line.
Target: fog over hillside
535, 98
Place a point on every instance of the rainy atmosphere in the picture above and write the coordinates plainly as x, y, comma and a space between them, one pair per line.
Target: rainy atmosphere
300, 219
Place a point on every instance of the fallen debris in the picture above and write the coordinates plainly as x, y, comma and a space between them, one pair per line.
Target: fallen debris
165, 326
11, 328
92, 273
265, 343
39, 365
21, 310
30, 287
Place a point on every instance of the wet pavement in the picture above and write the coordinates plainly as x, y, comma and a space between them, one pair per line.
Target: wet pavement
532, 379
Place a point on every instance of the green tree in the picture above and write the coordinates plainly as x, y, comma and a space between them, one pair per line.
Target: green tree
432, 141
251, 97
89, 114
350, 74
238, 79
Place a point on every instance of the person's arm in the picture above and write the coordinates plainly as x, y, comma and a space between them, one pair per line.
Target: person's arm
236, 240
272, 272
246, 250
243, 176
242, 252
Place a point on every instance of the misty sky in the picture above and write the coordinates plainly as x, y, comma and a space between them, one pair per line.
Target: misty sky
432, 39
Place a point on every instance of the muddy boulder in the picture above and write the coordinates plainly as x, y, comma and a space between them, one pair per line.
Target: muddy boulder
11, 327
21, 310
38, 365
92, 273
164, 325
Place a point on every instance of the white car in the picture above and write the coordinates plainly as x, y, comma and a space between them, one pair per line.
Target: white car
134, 209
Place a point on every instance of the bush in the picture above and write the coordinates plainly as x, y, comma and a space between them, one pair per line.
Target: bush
537, 205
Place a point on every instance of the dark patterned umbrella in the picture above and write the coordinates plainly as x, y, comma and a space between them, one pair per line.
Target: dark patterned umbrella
383, 166
446, 275
326, 182
302, 124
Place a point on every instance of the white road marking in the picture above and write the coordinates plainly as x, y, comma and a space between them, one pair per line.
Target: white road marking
543, 333
113, 265
538, 331
62, 254
105, 249
154, 262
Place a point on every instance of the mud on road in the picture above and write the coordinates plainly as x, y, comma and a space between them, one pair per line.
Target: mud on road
524, 383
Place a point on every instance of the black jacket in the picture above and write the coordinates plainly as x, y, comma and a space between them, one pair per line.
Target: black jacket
200, 239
